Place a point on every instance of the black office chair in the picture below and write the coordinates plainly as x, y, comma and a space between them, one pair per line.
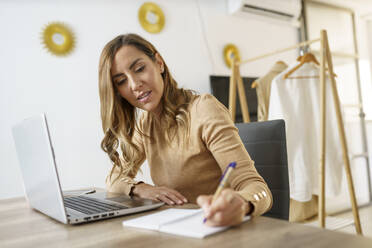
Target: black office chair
266, 144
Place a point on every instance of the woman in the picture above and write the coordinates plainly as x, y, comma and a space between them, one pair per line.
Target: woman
187, 139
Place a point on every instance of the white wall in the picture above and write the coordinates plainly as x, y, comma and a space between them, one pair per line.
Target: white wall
33, 81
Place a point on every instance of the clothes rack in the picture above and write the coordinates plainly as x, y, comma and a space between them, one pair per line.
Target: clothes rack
325, 60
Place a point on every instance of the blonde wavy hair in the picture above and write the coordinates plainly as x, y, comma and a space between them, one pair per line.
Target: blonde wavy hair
119, 117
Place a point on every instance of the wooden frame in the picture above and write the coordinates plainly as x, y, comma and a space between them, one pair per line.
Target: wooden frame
325, 60
355, 56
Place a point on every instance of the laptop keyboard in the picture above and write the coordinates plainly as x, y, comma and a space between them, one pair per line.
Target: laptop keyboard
89, 205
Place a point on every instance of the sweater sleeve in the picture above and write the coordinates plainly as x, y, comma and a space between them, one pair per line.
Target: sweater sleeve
123, 183
222, 139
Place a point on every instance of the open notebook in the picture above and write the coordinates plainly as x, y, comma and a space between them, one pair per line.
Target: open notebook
184, 222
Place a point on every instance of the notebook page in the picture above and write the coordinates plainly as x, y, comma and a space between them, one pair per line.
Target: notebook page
184, 222
154, 221
192, 227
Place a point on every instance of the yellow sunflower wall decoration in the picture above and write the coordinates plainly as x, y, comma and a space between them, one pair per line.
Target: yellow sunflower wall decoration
151, 17
230, 51
58, 38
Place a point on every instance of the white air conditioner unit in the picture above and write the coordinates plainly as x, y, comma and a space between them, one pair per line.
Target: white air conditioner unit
279, 11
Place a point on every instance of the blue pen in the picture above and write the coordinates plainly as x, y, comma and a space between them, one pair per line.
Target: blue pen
223, 180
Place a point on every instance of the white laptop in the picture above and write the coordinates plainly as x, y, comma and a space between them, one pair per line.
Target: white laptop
42, 187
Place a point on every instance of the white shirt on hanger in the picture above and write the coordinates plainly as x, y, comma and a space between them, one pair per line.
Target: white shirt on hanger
297, 101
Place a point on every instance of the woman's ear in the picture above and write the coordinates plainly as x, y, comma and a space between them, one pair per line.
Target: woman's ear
160, 62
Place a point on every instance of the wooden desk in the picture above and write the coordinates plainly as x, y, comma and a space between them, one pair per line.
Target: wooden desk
23, 227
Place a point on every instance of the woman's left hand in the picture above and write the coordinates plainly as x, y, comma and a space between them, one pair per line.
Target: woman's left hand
227, 210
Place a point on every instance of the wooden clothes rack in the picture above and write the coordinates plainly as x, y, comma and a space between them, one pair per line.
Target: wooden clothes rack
325, 59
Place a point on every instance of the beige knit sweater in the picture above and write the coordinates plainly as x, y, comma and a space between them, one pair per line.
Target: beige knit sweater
195, 168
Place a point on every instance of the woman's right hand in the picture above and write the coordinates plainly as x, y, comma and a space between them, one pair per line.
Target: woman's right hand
164, 194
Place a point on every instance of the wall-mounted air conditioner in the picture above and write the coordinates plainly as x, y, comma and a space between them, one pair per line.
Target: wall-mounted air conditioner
278, 11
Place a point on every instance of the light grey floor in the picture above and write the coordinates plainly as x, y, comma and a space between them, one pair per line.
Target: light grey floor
365, 214
343, 222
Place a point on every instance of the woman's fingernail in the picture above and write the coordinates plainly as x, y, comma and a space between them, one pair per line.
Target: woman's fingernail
179, 202
172, 203
184, 200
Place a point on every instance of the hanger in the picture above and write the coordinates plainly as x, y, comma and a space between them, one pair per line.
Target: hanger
306, 58
255, 83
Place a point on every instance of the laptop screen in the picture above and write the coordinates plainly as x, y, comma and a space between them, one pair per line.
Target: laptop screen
36, 158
